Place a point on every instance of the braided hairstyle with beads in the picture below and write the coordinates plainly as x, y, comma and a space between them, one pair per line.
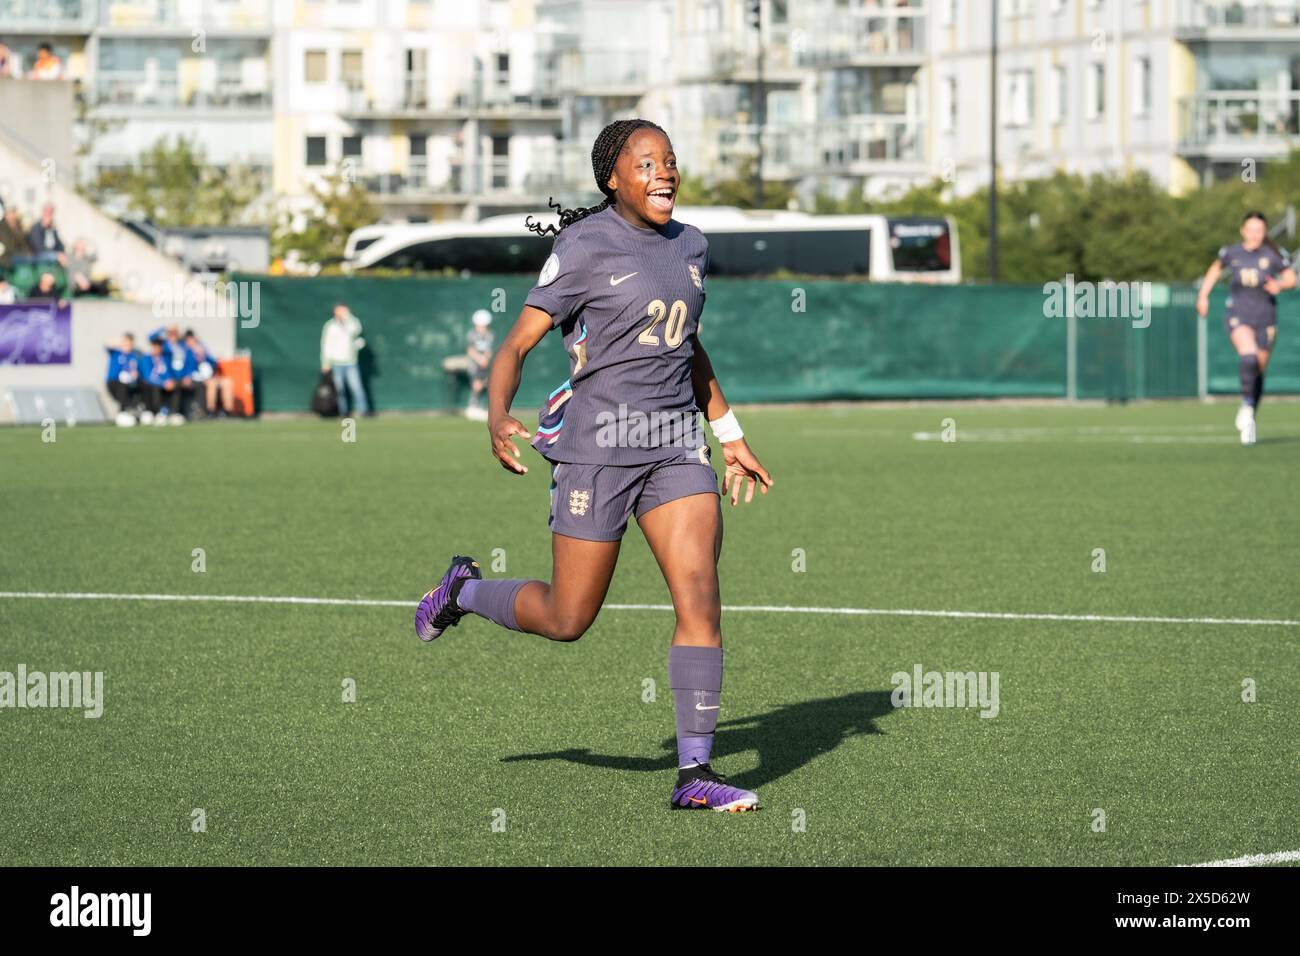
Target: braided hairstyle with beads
604, 154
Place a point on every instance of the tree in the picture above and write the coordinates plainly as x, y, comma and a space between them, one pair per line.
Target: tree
338, 206
174, 185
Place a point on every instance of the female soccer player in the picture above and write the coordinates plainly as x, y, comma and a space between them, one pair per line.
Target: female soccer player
625, 284
1258, 271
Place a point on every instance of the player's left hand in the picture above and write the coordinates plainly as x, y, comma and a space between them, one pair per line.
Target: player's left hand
742, 466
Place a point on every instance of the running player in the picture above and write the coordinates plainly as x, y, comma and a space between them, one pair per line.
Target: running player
625, 285
1257, 272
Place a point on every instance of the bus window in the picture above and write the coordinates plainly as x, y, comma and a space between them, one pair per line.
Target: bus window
920, 245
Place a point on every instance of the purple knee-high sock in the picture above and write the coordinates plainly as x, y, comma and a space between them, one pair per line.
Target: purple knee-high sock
493, 599
695, 676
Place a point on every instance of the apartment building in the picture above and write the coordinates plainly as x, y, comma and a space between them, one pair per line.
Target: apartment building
1185, 90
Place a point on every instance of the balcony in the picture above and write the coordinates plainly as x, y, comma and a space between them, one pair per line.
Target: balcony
785, 149
872, 36
147, 90
489, 178
1232, 125
860, 144
180, 16
48, 16
1266, 19
412, 99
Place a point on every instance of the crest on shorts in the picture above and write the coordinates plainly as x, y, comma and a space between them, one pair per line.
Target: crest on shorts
695, 277
579, 502
1233, 321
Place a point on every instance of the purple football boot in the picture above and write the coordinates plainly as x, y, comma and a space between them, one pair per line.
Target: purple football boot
699, 788
438, 609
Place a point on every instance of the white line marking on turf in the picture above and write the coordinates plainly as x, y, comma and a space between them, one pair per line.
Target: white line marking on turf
734, 608
1257, 859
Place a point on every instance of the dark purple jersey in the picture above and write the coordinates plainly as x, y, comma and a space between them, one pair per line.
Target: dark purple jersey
1247, 273
628, 302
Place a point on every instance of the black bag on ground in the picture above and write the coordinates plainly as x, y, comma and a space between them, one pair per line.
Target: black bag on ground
325, 400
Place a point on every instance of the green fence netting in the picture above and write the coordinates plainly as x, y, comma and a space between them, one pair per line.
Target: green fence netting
774, 341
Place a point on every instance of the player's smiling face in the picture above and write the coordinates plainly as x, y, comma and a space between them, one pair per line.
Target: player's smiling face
645, 178
1253, 232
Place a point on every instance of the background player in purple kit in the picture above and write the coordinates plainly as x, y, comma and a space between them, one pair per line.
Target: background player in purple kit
625, 285
1257, 272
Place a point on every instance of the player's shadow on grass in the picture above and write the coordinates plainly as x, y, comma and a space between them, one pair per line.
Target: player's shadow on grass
785, 738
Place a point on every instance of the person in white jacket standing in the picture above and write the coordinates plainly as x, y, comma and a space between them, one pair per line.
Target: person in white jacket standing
340, 341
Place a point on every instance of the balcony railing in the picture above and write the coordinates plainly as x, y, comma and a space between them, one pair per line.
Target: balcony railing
413, 95
76, 15
251, 15
486, 178
853, 144
161, 90
784, 149
1262, 15
863, 36
1240, 120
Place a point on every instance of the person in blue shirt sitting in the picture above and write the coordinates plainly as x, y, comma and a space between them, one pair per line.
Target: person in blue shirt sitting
124, 376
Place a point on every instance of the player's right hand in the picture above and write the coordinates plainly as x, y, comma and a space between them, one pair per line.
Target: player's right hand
503, 446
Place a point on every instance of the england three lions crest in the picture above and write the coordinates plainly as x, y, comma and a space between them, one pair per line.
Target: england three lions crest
579, 503
695, 277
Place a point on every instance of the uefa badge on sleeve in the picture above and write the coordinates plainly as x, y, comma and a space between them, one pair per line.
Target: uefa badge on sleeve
695, 277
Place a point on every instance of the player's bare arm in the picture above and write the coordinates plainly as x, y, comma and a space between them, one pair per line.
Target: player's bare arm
529, 329
742, 464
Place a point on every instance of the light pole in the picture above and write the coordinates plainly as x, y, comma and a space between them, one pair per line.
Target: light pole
760, 97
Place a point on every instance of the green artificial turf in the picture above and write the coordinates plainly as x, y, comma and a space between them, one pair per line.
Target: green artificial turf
237, 709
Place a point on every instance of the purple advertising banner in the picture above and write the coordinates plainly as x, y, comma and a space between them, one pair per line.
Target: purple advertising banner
36, 333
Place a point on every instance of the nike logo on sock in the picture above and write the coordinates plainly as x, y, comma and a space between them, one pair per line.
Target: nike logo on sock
702, 707
613, 281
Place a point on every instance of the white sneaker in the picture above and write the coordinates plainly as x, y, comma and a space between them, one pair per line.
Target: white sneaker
146, 417
176, 420
125, 420
1248, 433
160, 418
1245, 414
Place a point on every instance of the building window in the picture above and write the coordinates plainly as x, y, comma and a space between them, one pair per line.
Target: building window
503, 70
352, 68
315, 150
1096, 90
1059, 95
315, 66
1142, 87
351, 147
948, 108
1018, 94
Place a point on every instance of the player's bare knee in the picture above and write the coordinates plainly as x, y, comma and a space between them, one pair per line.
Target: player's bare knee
570, 626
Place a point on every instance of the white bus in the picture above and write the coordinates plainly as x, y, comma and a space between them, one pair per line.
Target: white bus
741, 243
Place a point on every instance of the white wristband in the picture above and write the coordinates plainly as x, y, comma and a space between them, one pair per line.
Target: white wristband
726, 428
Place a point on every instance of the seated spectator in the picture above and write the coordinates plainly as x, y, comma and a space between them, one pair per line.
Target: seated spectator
47, 287
81, 271
124, 376
7, 294
157, 386
207, 373
181, 364
44, 237
47, 65
13, 238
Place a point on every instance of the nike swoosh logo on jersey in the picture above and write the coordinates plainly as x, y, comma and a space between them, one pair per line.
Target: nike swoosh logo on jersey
613, 281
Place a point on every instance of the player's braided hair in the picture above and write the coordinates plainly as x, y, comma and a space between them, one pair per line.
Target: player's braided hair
604, 154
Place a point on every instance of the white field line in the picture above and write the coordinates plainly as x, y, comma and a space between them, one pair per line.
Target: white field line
731, 608
1257, 859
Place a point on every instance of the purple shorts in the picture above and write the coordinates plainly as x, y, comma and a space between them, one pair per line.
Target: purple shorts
593, 502
1265, 329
